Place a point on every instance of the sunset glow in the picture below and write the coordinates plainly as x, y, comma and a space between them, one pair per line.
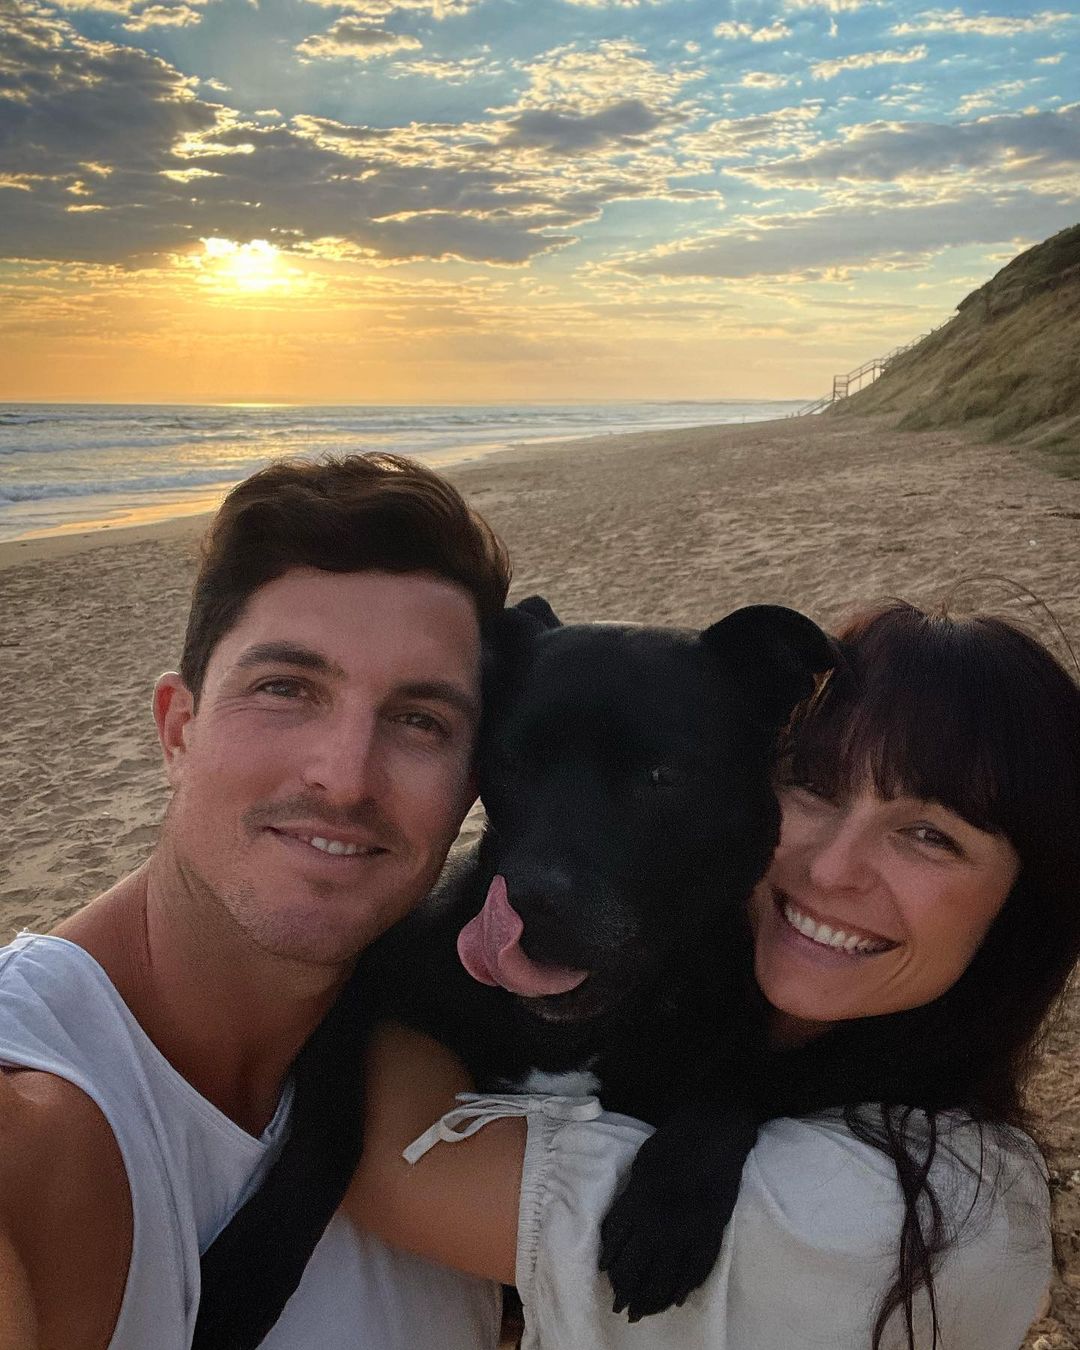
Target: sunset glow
468, 200
255, 266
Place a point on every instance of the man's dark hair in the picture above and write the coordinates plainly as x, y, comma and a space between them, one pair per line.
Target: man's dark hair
351, 513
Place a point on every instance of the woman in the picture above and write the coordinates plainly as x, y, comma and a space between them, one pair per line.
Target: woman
919, 920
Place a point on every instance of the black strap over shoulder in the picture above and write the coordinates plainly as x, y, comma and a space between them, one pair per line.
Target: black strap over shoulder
255, 1263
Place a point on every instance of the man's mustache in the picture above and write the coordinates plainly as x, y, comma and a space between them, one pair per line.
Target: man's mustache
302, 809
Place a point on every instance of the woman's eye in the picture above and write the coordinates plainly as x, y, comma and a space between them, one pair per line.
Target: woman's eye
935, 838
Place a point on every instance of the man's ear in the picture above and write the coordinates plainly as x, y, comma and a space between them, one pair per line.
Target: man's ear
174, 707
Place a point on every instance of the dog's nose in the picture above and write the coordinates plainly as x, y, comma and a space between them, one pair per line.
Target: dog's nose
570, 916
540, 892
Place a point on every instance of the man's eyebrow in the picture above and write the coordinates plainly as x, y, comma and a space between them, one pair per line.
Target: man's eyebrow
288, 654
444, 691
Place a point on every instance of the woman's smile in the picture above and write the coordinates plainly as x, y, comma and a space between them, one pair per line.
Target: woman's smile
832, 934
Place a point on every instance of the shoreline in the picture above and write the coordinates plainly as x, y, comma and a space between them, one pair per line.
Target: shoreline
47, 547
39, 547
93, 508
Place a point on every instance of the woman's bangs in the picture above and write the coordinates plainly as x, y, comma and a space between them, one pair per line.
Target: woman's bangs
910, 718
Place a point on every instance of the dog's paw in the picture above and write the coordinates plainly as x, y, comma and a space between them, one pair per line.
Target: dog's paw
652, 1266
662, 1235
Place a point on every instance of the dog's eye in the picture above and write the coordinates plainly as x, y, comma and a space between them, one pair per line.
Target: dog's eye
661, 776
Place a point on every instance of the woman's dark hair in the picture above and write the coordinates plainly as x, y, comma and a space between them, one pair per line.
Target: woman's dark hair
975, 714
352, 513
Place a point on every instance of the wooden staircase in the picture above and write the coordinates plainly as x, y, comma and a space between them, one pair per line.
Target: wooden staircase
854, 380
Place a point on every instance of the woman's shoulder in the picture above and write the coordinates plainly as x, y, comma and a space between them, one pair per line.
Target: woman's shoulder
819, 1173
960, 1141
816, 1203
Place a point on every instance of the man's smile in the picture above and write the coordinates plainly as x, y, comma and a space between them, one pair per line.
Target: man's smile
334, 844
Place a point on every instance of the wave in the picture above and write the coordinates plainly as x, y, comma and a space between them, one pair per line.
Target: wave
12, 494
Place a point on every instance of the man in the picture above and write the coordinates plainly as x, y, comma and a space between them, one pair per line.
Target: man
318, 742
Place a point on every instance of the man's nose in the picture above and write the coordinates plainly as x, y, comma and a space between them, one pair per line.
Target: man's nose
841, 855
344, 760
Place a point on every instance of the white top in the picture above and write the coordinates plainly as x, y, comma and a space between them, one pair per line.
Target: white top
809, 1251
190, 1169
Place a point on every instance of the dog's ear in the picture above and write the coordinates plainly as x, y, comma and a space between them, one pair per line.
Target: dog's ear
506, 635
536, 607
772, 653
507, 644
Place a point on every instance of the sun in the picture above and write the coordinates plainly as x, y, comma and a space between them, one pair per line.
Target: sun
256, 267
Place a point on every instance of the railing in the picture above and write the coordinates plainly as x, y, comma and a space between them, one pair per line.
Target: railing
842, 384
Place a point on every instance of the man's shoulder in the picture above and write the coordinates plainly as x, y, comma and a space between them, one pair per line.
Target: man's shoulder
65, 1205
53, 1140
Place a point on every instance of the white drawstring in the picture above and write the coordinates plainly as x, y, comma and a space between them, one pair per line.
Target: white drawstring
479, 1110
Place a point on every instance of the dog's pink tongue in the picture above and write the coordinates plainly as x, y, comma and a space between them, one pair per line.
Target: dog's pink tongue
490, 950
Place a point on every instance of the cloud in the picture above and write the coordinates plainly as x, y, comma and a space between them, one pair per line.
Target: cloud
586, 78
987, 25
991, 97
810, 245
620, 123
763, 79
1029, 147
139, 16
1054, 60
772, 32
163, 16
381, 9
358, 41
740, 136
833, 6
828, 70
153, 167
445, 71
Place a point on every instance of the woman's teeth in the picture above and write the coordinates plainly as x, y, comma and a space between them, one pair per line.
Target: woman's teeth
825, 936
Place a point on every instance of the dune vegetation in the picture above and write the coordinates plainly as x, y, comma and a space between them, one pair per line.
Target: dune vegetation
1006, 367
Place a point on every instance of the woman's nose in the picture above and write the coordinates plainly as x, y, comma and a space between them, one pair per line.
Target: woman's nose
840, 855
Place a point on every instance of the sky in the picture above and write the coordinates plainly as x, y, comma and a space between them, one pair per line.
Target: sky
383, 201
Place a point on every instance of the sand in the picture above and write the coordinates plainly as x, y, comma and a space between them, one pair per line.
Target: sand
677, 527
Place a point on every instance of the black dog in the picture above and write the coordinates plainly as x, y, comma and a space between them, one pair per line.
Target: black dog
599, 926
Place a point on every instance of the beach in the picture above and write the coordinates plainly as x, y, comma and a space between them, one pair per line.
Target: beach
675, 527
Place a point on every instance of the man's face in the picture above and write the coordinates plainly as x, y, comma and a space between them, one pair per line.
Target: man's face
326, 770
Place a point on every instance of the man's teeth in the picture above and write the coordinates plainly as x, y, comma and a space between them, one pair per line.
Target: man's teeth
825, 936
334, 846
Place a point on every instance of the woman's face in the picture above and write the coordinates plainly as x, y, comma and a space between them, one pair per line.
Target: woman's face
871, 906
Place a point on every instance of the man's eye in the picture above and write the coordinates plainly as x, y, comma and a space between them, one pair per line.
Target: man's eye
423, 722
282, 688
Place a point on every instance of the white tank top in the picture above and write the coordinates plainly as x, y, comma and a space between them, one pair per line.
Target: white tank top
190, 1169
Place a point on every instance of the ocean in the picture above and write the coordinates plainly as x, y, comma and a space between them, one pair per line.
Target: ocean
67, 467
